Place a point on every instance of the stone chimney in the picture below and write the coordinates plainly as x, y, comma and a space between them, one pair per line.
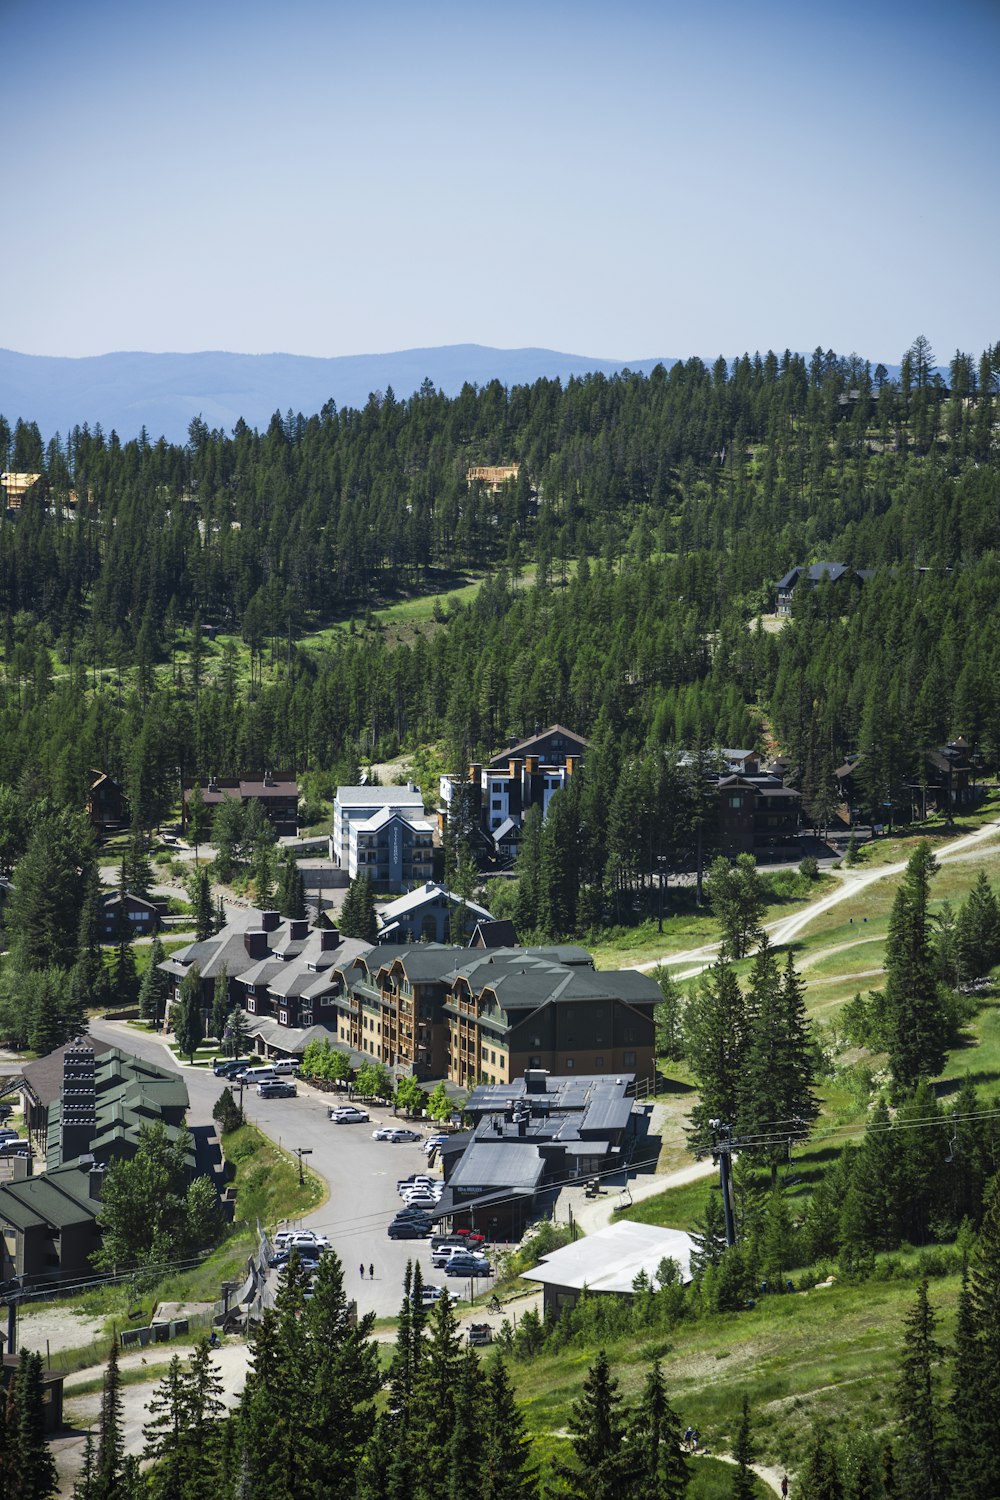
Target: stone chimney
298, 929
270, 920
329, 938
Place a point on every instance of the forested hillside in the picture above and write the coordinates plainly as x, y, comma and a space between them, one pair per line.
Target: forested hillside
625, 569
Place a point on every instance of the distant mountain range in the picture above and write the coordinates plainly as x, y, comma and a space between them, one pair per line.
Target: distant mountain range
162, 392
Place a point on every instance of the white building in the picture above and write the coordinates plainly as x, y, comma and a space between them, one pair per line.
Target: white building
358, 804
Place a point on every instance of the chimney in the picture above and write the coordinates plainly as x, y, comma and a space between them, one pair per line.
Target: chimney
268, 778
329, 938
531, 764
475, 770
571, 761
78, 1124
95, 1177
522, 1126
298, 929
270, 920
535, 1080
255, 942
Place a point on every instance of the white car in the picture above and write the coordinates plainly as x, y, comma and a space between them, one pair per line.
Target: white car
431, 1294
348, 1114
301, 1239
418, 1180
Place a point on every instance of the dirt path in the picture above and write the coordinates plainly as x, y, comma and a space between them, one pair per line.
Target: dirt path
852, 883
769, 1475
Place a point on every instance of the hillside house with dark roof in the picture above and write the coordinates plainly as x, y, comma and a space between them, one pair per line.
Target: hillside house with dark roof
107, 805
813, 574
277, 793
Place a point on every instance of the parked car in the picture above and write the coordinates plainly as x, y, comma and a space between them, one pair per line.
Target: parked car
416, 1179
433, 1142
480, 1333
394, 1133
467, 1265
405, 1135
403, 1228
228, 1067
431, 1294
301, 1238
464, 1238
277, 1088
421, 1200
348, 1114
444, 1253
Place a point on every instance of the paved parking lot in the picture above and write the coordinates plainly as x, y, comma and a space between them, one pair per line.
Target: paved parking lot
361, 1173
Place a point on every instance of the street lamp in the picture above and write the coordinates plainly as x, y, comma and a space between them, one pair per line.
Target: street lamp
661, 860
300, 1152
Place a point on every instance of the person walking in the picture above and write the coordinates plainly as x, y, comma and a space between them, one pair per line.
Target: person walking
371, 1272
784, 1487
362, 1270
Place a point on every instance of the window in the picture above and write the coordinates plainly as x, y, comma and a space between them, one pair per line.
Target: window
496, 804
535, 1062
598, 1062
493, 1058
736, 802
569, 1065
629, 1059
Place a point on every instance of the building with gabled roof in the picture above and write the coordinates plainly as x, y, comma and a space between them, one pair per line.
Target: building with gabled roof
430, 914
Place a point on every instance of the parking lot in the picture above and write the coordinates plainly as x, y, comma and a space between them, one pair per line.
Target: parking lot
361, 1173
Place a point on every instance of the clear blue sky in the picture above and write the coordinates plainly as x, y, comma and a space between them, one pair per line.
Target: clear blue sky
612, 179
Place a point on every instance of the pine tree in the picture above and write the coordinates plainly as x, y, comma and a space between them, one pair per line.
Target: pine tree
775, 1097
110, 1440
656, 1465
434, 1396
204, 916
164, 1433
920, 1471
915, 1013
977, 1371
136, 872
220, 1004
506, 1472
709, 1236
717, 1039
736, 895
467, 1436
155, 986
743, 1480
358, 918
978, 930
822, 1471
346, 1377
597, 1434
31, 1474
185, 1014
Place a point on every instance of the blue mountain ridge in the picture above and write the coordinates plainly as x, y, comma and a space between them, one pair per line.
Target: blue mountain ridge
163, 392
125, 392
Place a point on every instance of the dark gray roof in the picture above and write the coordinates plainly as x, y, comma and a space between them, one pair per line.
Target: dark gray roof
500, 1164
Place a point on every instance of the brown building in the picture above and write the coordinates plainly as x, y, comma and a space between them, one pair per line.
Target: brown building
277, 793
757, 815
488, 1014
107, 805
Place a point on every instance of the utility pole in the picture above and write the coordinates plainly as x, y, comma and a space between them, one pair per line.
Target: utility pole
722, 1150
300, 1152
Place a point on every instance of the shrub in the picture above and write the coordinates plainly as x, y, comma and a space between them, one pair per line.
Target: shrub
809, 868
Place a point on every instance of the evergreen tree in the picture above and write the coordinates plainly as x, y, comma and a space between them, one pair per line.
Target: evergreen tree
916, 1014
657, 1467
345, 1378
204, 915
185, 1014
717, 1039
467, 1436
597, 1434
136, 872
199, 818
50, 885
978, 930
110, 1440
822, 1474
433, 1404
977, 1369
292, 897
32, 1472
736, 895
506, 1472
220, 1005
920, 1471
155, 987
775, 1097
743, 1480
358, 917
709, 1236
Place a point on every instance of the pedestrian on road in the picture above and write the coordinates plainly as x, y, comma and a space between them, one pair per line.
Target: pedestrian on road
371, 1272
784, 1487
362, 1270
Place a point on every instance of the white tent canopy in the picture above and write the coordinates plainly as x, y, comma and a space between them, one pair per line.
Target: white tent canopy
611, 1259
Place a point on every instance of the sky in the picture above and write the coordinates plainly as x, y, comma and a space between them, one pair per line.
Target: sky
622, 180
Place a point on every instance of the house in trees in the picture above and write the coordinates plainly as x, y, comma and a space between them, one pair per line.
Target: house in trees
107, 805
276, 792
498, 795
813, 574
758, 815
492, 476
946, 780
16, 486
141, 916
